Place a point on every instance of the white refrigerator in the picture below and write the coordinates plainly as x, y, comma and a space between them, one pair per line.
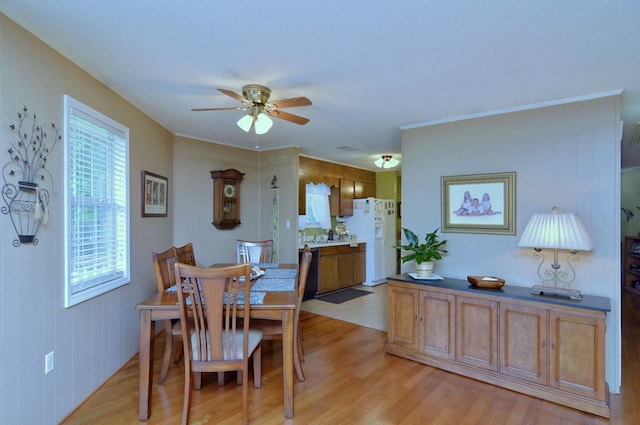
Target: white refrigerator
374, 222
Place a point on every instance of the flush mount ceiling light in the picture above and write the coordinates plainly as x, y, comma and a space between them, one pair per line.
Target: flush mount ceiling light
386, 161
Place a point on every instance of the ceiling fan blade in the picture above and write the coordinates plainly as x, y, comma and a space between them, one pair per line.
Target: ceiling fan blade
234, 95
293, 102
236, 108
289, 117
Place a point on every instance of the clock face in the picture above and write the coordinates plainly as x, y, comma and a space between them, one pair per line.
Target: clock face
229, 190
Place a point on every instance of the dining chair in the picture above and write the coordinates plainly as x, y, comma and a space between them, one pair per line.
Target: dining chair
186, 255
272, 329
165, 278
212, 298
254, 251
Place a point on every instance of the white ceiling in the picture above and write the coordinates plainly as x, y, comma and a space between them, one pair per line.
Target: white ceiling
370, 67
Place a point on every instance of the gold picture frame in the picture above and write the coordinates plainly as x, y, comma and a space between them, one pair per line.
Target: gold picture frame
154, 195
479, 203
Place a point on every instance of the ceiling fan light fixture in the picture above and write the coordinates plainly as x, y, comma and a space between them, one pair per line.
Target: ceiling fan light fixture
386, 161
263, 123
245, 122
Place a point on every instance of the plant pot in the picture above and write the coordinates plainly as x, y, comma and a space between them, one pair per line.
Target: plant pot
424, 269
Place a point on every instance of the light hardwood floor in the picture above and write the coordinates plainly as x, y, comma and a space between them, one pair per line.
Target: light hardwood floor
350, 380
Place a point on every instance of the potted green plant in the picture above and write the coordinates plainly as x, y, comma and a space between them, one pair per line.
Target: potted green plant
424, 253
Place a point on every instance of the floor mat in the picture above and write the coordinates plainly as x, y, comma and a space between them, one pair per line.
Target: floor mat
342, 296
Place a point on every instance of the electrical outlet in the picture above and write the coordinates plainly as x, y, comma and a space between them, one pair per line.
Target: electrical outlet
49, 361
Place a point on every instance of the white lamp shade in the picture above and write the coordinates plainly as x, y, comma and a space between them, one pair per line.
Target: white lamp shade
245, 123
556, 230
263, 123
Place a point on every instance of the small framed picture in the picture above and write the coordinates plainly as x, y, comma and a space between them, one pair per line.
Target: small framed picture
154, 195
479, 203
635, 248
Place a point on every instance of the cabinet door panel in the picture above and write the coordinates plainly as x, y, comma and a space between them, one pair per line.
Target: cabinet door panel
329, 273
477, 332
402, 317
359, 264
346, 197
436, 324
523, 342
345, 270
577, 353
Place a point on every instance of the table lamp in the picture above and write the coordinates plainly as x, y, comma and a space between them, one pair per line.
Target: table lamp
556, 231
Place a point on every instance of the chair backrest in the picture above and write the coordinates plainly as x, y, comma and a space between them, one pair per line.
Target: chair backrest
303, 272
163, 267
186, 255
254, 251
214, 336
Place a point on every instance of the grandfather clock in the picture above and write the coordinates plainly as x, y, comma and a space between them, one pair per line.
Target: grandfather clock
226, 198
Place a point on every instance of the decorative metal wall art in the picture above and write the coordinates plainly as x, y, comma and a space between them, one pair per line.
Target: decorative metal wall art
26, 180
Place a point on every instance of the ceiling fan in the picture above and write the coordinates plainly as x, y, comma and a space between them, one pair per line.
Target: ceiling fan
255, 99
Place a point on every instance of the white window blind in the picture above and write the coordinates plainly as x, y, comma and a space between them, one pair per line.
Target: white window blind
96, 203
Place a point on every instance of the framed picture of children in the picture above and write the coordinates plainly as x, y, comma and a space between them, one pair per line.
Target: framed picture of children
154, 195
479, 203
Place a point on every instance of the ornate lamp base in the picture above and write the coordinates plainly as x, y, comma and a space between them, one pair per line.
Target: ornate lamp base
574, 294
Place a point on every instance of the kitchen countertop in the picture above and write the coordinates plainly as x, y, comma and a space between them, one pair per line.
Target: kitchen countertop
331, 243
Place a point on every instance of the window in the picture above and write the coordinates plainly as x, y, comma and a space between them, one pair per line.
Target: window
96, 196
318, 214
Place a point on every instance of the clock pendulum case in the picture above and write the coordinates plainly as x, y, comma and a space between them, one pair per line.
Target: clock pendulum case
226, 198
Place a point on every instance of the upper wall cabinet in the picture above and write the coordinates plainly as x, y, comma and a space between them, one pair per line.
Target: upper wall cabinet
346, 184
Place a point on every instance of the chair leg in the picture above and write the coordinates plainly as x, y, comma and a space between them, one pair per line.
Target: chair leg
300, 346
177, 350
221, 379
166, 358
197, 378
257, 367
186, 404
297, 365
245, 394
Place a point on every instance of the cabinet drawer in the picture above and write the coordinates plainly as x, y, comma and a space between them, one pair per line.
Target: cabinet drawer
334, 250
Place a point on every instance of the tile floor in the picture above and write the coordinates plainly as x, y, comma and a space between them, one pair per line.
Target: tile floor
369, 310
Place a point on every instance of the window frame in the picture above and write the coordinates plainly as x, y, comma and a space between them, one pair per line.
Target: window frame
123, 274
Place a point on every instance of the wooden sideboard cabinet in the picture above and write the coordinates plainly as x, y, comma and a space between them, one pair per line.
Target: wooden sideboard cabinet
548, 347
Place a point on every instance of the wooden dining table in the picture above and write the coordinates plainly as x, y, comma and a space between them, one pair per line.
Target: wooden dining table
277, 305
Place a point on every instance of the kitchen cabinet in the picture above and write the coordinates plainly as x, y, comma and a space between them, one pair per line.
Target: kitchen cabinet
360, 263
346, 197
547, 347
364, 190
358, 183
335, 268
339, 267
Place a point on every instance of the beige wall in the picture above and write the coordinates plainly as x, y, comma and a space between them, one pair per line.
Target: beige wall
95, 338
92, 340
193, 198
566, 155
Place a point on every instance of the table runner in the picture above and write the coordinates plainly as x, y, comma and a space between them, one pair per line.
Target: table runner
280, 273
265, 284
